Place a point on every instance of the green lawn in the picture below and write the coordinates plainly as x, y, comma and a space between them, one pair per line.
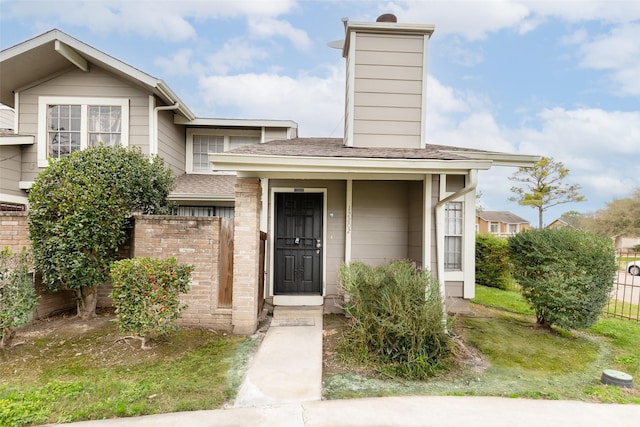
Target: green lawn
516, 358
66, 376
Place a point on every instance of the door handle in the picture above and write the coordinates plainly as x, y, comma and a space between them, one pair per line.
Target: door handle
296, 241
318, 244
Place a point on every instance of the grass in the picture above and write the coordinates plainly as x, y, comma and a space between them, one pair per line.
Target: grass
66, 376
502, 352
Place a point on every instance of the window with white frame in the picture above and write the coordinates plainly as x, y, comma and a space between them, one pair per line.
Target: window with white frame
513, 228
494, 227
453, 236
201, 142
69, 124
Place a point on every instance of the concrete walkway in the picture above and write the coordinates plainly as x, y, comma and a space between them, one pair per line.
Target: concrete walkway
287, 367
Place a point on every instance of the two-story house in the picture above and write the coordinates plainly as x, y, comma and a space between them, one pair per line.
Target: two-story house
380, 193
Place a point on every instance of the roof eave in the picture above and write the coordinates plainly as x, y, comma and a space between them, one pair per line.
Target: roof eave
501, 159
347, 165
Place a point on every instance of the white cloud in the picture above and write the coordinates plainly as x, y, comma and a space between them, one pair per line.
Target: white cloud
269, 27
315, 103
617, 51
166, 20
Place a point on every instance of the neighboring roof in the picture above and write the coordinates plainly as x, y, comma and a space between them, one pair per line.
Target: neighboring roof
502, 216
54, 52
331, 155
200, 187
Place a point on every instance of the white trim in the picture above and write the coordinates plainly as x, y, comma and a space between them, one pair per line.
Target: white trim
10, 198
350, 91
25, 185
348, 225
84, 102
426, 223
225, 133
423, 121
271, 240
257, 123
71, 55
17, 140
16, 112
152, 119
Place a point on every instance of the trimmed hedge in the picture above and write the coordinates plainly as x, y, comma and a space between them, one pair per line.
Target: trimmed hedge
566, 274
492, 262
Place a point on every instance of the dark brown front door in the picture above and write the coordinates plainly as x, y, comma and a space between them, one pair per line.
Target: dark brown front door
298, 244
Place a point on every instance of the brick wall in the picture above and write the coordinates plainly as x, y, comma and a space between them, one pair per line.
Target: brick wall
14, 234
195, 241
192, 240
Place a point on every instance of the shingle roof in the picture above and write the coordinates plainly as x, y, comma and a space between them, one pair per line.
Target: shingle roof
502, 216
333, 147
200, 185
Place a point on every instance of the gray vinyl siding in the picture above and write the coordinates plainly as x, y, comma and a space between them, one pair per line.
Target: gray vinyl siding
454, 289
171, 142
388, 86
273, 134
10, 171
380, 225
6, 118
335, 227
96, 83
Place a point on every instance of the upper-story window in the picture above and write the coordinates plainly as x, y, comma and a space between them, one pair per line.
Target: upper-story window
201, 142
69, 124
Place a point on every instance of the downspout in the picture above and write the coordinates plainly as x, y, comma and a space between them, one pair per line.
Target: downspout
470, 185
153, 147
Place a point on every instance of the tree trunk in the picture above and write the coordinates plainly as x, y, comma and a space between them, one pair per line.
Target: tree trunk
87, 301
540, 222
7, 334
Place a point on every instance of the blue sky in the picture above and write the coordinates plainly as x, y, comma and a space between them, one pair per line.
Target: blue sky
558, 78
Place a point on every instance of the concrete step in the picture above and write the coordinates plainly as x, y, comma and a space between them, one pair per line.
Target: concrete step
281, 312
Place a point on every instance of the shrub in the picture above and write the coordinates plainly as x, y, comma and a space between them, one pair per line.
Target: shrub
146, 294
78, 210
17, 294
566, 274
397, 319
492, 262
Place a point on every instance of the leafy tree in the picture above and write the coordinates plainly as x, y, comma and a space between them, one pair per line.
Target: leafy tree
542, 186
79, 207
621, 217
565, 274
17, 295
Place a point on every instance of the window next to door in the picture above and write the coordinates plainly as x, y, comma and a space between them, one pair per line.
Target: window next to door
68, 124
453, 236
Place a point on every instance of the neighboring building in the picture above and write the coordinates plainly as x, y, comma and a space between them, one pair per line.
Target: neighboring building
65, 95
378, 194
500, 223
558, 223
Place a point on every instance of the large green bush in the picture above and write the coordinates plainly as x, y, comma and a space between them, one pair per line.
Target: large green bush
492, 262
398, 321
78, 210
566, 274
17, 294
146, 294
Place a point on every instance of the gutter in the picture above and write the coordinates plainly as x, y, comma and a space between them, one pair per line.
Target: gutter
153, 143
470, 185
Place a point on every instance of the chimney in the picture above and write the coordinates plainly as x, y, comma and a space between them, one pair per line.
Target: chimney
386, 83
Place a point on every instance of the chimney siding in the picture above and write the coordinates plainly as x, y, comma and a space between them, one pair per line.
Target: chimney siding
386, 84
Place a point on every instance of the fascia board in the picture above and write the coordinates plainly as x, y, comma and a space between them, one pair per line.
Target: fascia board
203, 121
244, 163
502, 159
17, 139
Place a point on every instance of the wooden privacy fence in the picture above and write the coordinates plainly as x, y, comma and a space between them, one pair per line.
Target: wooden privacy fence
225, 256
625, 297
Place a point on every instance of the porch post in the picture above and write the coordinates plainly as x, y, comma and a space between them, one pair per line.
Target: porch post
246, 257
